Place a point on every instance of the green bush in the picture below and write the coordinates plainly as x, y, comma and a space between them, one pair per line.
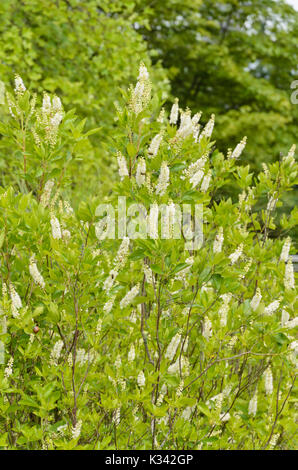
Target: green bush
143, 343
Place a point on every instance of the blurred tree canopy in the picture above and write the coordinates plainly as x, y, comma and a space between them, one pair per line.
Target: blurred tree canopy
236, 59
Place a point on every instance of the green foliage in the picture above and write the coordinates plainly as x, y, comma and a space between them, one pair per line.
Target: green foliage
237, 59
143, 343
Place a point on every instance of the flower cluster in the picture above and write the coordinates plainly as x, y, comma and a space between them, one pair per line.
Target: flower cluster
127, 300
37, 277
141, 94
48, 121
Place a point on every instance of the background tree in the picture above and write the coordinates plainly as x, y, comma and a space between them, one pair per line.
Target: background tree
236, 59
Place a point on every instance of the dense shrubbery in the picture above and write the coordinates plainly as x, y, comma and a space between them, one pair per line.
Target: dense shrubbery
141, 343
82, 51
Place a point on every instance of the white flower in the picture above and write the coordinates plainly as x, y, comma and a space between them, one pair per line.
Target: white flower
271, 308
223, 311
14, 311
37, 277
253, 405
265, 169
208, 129
289, 279
179, 390
238, 149
141, 172
172, 347
46, 105
289, 159
81, 356
143, 72
246, 269
174, 112
291, 323
122, 383
123, 171
161, 396
129, 296
154, 145
182, 275
284, 317
148, 274
4, 289
140, 95
116, 417
133, 316
294, 346
206, 182
163, 179
186, 125
271, 203
255, 301
141, 379
153, 221
52, 128
268, 379
109, 305
131, 354
194, 168
68, 208
46, 195
218, 241
56, 119
184, 348
56, 104
232, 342
161, 117
98, 327
236, 255
168, 225
196, 178
175, 368
207, 328
273, 441
224, 417
9, 368
285, 250
15, 298
122, 254
56, 229
19, 85
76, 430
187, 412
196, 132
62, 429
195, 119
66, 235
108, 284
56, 351
217, 400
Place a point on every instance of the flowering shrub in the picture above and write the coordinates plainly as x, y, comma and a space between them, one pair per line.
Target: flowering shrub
140, 343
79, 50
